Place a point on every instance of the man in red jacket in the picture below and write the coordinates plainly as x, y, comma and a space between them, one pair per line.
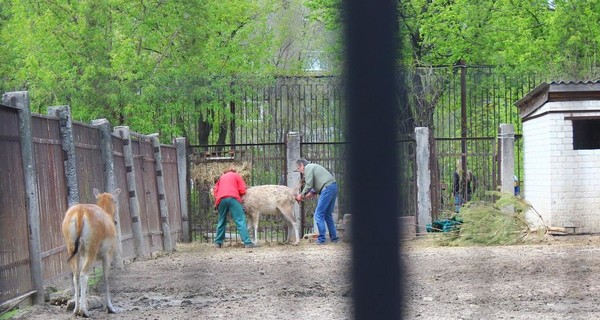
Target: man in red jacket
228, 192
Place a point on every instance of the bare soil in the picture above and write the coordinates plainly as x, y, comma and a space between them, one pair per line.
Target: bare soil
554, 279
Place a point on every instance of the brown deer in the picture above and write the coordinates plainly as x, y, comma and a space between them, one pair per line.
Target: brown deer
90, 234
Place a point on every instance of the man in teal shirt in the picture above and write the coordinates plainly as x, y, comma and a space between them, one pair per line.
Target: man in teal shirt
318, 180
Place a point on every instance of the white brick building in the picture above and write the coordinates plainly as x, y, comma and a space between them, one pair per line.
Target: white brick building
561, 136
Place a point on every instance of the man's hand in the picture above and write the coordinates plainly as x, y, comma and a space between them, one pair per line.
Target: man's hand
299, 198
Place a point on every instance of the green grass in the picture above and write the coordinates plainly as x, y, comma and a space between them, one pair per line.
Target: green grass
11, 313
95, 278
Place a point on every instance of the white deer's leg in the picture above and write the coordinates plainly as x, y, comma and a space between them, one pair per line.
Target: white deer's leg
76, 289
83, 287
76, 280
255, 224
106, 272
290, 219
296, 232
83, 282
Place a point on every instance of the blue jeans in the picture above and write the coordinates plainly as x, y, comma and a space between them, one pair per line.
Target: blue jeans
324, 212
234, 207
458, 202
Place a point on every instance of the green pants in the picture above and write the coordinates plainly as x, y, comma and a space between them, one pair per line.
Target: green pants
237, 213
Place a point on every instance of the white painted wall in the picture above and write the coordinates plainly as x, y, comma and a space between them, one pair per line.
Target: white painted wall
536, 166
562, 184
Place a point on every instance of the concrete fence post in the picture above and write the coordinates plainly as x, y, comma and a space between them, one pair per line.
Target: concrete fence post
506, 139
134, 206
162, 198
20, 100
293, 177
180, 146
63, 113
110, 180
424, 207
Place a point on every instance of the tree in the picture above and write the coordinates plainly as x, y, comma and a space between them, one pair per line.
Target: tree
559, 37
143, 63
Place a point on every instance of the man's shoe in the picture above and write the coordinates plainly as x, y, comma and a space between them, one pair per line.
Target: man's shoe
218, 245
320, 242
335, 241
251, 245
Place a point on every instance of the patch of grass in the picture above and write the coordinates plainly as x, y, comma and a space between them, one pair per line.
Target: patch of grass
9, 314
95, 279
14, 312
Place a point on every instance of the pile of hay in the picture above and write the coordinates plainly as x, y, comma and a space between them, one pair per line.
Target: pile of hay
207, 174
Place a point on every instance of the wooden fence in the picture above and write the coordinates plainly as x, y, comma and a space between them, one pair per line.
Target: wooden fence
48, 162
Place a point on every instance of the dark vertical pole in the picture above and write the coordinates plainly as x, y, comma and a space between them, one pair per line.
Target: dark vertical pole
463, 127
371, 34
232, 136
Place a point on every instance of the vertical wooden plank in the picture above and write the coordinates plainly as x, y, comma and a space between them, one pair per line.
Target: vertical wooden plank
53, 201
162, 200
182, 179
146, 183
124, 209
20, 100
134, 207
15, 274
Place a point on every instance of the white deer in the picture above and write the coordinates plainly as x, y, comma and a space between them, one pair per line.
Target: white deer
272, 200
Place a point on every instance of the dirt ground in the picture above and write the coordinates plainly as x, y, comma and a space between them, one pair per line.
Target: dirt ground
555, 279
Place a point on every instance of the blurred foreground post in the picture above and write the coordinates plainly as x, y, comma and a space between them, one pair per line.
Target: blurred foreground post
372, 95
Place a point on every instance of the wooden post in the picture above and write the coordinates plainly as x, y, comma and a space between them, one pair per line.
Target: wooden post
180, 145
20, 100
463, 128
110, 180
162, 199
63, 113
134, 206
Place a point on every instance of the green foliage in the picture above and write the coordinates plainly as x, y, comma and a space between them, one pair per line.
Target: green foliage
499, 223
140, 63
9, 314
562, 40
326, 11
158, 66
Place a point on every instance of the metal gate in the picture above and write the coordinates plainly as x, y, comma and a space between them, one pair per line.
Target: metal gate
259, 164
462, 105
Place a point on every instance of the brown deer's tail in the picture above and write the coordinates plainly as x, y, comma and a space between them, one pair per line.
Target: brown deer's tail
78, 228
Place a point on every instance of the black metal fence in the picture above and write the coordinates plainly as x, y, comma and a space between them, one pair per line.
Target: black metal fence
260, 164
462, 105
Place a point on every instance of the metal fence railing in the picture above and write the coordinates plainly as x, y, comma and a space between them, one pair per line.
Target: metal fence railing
462, 105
